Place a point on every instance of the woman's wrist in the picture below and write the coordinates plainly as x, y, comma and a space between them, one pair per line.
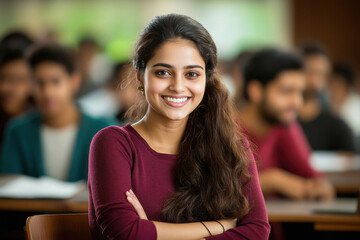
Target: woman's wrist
216, 228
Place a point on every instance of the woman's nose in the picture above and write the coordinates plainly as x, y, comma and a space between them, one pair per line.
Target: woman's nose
177, 84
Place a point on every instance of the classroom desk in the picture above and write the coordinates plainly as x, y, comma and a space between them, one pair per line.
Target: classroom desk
78, 204
347, 182
337, 215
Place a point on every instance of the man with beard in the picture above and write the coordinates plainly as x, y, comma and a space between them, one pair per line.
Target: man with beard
273, 86
323, 129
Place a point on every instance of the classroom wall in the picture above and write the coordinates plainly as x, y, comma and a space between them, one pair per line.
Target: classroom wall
333, 23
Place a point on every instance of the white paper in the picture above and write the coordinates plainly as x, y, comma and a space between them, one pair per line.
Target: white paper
45, 187
324, 161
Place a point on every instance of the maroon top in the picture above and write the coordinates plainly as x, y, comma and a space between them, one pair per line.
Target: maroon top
284, 147
120, 159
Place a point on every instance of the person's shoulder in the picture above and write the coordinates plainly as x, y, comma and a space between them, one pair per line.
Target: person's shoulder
23, 122
332, 119
114, 134
96, 121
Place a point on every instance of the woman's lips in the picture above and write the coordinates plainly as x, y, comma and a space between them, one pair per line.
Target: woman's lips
176, 102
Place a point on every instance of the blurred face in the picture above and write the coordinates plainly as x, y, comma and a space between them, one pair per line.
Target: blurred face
54, 89
15, 86
317, 68
174, 79
283, 97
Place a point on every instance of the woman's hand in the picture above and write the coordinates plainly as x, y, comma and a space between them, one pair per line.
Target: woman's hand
131, 197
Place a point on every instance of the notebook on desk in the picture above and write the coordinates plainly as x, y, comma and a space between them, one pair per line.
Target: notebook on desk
25, 187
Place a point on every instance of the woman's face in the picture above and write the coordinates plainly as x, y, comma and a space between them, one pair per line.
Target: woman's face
174, 79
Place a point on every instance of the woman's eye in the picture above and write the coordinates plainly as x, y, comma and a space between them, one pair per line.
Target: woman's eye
162, 73
192, 74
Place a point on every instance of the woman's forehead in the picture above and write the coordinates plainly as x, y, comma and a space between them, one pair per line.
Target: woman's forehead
177, 53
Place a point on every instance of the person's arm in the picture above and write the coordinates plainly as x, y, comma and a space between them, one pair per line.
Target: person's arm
283, 182
183, 230
295, 160
253, 226
110, 177
11, 154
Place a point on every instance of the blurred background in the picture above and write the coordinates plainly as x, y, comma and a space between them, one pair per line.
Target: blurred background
100, 35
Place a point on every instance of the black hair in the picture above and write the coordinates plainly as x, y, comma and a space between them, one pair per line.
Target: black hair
16, 39
88, 40
265, 65
312, 49
10, 54
345, 71
52, 53
211, 167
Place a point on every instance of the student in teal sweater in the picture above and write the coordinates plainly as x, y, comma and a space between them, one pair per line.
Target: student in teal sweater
53, 140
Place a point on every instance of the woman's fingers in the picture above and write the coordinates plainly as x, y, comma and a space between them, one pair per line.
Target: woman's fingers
131, 197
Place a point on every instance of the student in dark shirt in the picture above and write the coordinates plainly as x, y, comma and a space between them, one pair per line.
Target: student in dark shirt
324, 130
15, 83
15, 86
54, 139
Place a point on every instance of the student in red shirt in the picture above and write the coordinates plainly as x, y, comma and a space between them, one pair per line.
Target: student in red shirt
179, 171
274, 83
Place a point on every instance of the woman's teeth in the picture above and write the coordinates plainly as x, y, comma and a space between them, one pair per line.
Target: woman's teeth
175, 100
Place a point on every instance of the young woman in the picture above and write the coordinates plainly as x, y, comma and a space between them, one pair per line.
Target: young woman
181, 171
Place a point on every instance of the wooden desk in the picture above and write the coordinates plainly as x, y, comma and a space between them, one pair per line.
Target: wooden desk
77, 204
347, 182
281, 210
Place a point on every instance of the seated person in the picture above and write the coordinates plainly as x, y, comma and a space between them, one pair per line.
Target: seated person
15, 86
324, 130
53, 140
344, 101
273, 85
115, 97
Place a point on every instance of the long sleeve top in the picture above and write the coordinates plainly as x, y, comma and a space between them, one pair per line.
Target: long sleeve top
119, 160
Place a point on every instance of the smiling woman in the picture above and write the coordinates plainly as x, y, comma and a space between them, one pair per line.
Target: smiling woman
181, 170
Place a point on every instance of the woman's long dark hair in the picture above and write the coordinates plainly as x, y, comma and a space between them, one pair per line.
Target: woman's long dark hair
211, 169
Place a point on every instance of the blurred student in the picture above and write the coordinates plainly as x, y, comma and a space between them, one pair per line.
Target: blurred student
15, 86
94, 66
343, 99
53, 140
274, 81
115, 98
237, 76
323, 129
16, 39
126, 91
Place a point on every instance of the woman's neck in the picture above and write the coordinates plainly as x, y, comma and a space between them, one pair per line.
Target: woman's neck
162, 134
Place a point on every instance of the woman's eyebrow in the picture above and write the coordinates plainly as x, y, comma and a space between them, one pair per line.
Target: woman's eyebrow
162, 65
170, 66
193, 66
